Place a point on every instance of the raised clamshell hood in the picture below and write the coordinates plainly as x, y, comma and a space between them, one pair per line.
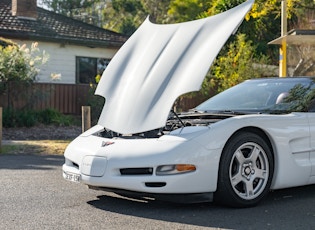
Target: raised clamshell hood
159, 63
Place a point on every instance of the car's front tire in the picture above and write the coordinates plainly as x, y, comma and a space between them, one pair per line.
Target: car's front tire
246, 170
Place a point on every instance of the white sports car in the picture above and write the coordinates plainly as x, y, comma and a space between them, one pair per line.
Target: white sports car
233, 148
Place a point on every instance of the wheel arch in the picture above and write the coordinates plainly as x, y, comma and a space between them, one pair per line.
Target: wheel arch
257, 131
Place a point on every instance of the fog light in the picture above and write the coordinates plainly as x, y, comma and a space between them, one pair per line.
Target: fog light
175, 169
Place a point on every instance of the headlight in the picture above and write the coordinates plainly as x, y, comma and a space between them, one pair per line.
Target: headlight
174, 169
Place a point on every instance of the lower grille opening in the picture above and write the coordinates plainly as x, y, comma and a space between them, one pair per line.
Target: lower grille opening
155, 184
136, 171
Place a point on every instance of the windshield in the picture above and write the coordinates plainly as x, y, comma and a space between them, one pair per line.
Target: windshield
262, 95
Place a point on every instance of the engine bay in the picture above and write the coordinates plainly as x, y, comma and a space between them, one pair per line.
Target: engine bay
174, 121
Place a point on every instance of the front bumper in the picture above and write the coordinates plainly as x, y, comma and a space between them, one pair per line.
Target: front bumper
101, 167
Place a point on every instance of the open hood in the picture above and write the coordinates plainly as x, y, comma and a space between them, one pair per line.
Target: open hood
159, 63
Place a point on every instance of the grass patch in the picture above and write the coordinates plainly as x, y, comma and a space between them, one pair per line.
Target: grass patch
41, 147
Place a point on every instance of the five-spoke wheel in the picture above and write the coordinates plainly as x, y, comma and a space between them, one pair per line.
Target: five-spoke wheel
246, 170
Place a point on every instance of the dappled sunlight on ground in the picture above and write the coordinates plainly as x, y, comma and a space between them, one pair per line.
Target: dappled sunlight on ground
55, 147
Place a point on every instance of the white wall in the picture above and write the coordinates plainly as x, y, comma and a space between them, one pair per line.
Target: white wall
62, 59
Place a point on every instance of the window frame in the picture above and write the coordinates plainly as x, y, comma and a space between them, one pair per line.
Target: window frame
97, 66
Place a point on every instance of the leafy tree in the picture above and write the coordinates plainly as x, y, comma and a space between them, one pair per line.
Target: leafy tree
125, 16
263, 21
157, 10
19, 65
181, 11
262, 25
234, 65
68, 7
133, 14
237, 59
263, 8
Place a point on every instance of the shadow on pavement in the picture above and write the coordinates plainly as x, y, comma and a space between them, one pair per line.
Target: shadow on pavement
24, 162
283, 209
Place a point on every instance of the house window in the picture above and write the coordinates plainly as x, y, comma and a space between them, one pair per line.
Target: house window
88, 68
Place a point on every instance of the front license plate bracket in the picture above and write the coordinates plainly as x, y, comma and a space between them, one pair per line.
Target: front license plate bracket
72, 177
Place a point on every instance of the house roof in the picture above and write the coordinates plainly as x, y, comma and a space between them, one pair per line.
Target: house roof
296, 37
52, 27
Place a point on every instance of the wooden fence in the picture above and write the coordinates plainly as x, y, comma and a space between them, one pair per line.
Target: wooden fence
65, 98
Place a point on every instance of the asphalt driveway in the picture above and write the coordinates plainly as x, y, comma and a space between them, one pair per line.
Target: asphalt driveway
33, 195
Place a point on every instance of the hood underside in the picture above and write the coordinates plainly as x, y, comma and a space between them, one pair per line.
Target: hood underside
159, 63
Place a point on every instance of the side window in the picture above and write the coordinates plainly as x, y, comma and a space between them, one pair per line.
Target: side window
311, 107
88, 68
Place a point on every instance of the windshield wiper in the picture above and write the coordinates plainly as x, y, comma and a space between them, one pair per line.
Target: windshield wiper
197, 111
232, 112
221, 112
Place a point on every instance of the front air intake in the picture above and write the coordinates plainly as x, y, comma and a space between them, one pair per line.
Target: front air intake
136, 171
155, 184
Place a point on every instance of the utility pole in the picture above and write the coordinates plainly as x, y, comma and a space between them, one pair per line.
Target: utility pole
283, 48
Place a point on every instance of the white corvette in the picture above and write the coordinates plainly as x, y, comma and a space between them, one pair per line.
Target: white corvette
233, 148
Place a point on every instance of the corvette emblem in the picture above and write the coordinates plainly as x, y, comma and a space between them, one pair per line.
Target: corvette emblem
107, 143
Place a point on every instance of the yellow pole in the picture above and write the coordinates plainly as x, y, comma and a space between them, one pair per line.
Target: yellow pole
283, 59
283, 48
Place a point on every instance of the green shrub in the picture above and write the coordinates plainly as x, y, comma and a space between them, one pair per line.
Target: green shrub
18, 118
96, 103
48, 116
52, 116
28, 118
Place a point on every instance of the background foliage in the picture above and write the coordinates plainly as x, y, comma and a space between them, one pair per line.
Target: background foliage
19, 66
239, 58
30, 117
20, 63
